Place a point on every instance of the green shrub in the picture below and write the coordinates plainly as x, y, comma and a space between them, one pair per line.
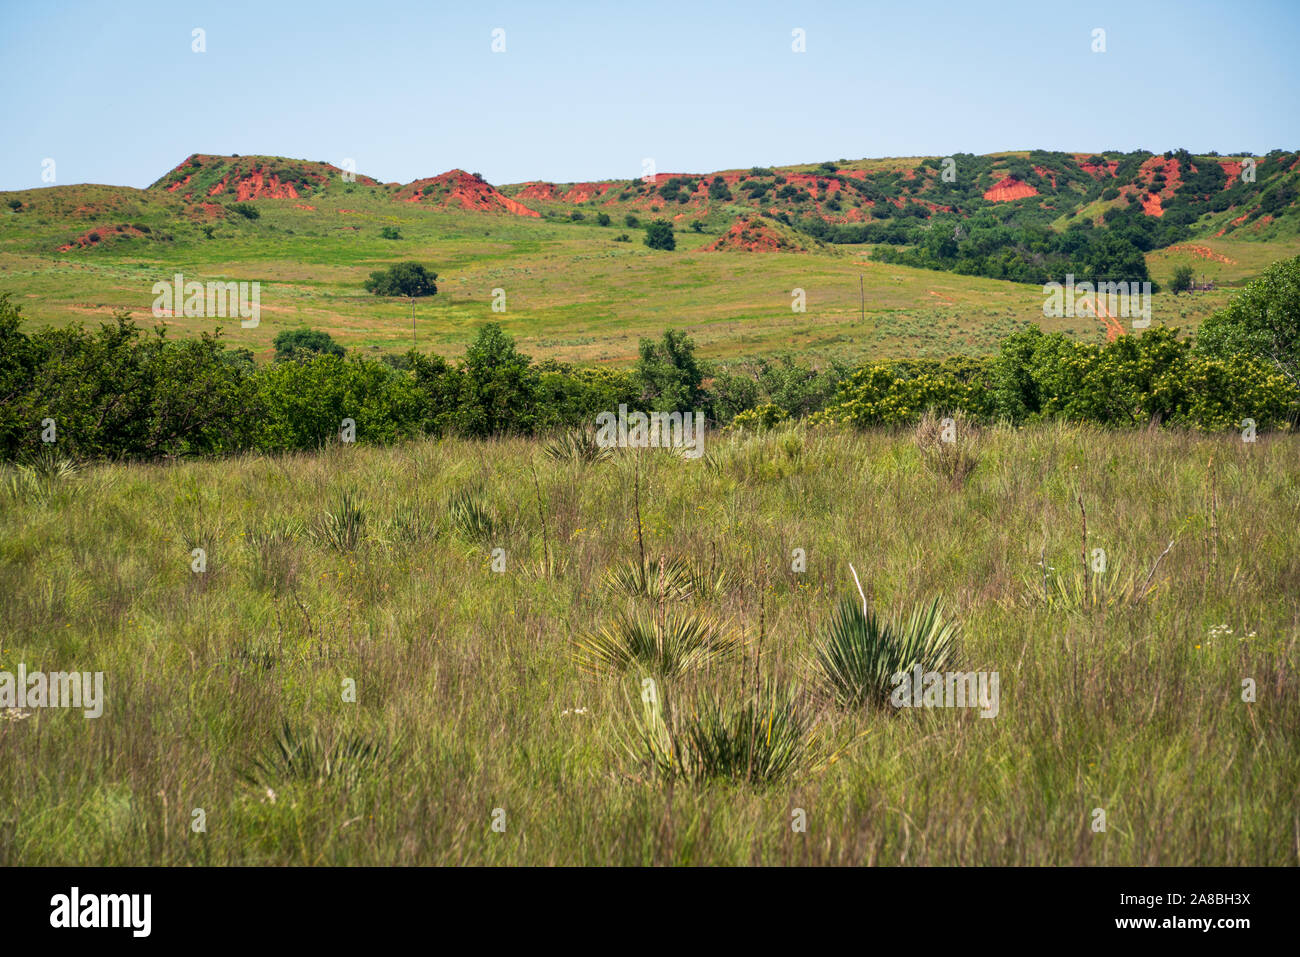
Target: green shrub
1263, 320
572, 397
304, 343
1217, 393
402, 279
759, 419
894, 393
498, 387
305, 402
669, 375
659, 235
115, 393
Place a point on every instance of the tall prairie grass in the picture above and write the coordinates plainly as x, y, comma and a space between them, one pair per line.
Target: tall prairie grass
372, 569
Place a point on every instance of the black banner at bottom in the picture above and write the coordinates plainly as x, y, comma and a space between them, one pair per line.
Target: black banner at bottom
1221, 906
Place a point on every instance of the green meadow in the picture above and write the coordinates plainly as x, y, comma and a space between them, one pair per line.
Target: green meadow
572, 291
358, 676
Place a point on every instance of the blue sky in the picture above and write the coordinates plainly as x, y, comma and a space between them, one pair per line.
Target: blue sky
114, 94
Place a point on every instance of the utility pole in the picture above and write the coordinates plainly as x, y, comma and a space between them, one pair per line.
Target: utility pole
862, 294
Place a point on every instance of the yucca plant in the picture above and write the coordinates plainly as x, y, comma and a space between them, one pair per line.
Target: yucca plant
764, 457
470, 518
951, 453
666, 644
857, 657
307, 756
756, 739
41, 476
260, 538
577, 445
675, 579
47, 466
706, 581
1079, 589
662, 580
343, 527
407, 525
272, 553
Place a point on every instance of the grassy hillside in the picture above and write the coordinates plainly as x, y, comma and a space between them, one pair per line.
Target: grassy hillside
356, 564
573, 290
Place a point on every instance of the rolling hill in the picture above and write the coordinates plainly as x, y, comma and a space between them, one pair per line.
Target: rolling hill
1208, 192
582, 287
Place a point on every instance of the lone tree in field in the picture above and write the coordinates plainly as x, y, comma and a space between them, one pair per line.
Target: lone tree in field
659, 235
403, 279
1182, 280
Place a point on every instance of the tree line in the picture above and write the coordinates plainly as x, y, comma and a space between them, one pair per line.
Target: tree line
119, 392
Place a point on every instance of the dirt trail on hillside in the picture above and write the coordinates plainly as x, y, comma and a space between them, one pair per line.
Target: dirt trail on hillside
1205, 252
